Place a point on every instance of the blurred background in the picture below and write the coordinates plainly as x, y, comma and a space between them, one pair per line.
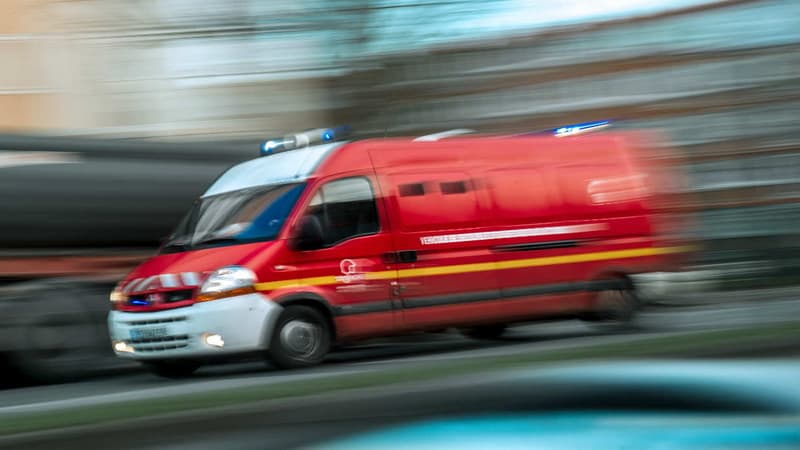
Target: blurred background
719, 78
115, 114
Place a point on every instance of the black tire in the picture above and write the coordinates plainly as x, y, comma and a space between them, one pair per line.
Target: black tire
615, 308
485, 332
171, 369
301, 338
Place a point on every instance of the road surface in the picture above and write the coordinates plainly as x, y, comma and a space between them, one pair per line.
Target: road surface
129, 382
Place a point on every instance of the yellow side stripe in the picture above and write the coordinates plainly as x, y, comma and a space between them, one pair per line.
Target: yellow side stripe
586, 257
482, 267
448, 270
382, 275
314, 281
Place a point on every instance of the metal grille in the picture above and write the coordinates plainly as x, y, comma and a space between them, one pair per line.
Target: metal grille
160, 344
156, 321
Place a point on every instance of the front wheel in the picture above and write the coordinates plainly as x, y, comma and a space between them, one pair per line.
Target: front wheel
301, 338
171, 369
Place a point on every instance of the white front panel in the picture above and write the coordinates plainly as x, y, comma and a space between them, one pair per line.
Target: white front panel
245, 323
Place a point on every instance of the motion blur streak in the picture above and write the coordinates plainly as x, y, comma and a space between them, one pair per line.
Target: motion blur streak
115, 115
16, 159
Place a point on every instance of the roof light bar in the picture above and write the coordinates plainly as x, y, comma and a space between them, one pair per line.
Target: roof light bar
304, 139
580, 128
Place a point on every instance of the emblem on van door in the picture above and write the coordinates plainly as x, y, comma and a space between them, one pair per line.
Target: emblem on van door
350, 272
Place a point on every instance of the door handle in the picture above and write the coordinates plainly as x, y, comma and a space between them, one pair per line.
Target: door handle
407, 256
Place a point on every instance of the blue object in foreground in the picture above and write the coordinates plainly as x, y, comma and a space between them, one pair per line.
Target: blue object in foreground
584, 430
641, 405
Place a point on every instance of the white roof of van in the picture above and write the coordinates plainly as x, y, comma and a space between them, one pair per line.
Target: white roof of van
284, 167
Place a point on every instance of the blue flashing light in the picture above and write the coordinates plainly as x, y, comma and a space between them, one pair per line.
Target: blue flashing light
276, 145
306, 138
571, 130
332, 134
137, 302
268, 147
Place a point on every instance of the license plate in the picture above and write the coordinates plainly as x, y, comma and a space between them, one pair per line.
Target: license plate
148, 333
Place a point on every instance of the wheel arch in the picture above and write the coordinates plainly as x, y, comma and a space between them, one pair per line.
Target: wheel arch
613, 277
311, 300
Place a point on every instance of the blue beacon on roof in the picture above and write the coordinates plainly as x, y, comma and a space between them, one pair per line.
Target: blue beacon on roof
571, 130
306, 138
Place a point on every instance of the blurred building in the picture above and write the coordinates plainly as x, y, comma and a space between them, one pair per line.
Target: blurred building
156, 68
719, 77
29, 94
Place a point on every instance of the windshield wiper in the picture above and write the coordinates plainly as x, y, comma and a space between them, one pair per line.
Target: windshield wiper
176, 246
216, 240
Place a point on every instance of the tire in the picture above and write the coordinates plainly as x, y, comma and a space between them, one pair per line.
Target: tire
301, 338
171, 369
615, 308
485, 332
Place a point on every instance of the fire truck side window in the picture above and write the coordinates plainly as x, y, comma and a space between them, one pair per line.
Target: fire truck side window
435, 201
346, 208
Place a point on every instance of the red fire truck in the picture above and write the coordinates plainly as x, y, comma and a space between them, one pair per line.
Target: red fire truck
313, 245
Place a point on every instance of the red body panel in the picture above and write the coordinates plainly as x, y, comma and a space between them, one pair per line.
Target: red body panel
184, 271
472, 231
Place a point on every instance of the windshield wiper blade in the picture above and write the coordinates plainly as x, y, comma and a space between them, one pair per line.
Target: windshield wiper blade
216, 240
176, 245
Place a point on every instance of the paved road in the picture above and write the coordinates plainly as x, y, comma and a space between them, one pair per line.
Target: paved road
130, 383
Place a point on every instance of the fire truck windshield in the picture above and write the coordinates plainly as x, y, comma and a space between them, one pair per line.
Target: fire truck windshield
235, 217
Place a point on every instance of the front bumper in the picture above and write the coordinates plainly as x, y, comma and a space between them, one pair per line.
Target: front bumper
244, 322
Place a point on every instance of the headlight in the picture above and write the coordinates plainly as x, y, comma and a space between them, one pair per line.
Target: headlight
227, 282
116, 297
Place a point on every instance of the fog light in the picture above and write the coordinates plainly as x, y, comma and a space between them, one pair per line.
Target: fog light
122, 347
214, 340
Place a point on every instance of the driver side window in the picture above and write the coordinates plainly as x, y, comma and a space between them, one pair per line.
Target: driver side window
346, 208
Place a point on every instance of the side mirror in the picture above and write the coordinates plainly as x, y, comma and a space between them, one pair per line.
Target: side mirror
307, 234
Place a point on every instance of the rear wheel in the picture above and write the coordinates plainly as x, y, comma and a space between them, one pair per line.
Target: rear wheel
171, 369
616, 308
485, 331
301, 338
